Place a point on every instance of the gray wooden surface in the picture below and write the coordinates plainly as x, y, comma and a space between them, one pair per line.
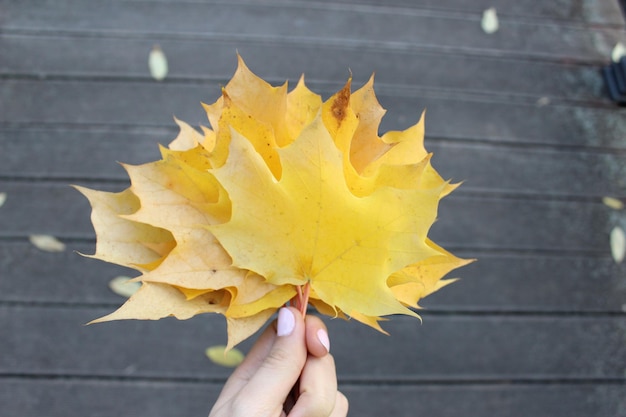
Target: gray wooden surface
536, 327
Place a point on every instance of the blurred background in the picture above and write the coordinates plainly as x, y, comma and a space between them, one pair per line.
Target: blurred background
516, 108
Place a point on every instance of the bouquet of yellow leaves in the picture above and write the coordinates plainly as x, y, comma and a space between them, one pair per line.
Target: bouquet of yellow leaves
285, 198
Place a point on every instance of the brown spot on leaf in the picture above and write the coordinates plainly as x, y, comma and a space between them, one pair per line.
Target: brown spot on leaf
340, 103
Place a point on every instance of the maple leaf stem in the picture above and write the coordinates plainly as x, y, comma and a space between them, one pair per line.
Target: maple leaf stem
304, 301
301, 300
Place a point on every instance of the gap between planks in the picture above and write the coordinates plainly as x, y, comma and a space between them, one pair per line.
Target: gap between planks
433, 311
343, 381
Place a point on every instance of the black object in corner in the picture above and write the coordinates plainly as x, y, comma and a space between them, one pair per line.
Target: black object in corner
615, 79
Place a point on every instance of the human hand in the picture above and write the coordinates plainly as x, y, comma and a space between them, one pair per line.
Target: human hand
291, 354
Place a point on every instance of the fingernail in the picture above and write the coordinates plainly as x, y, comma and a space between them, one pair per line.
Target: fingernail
322, 336
286, 322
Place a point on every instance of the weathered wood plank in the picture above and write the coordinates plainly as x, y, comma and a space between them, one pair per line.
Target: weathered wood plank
78, 398
79, 153
66, 277
497, 282
92, 153
487, 401
527, 170
589, 11
466, 220
534, 283
542, 243
443, 348
464, 117
402, 29
59, 56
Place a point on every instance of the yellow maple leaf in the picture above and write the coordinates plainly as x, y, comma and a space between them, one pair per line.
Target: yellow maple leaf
314, 229
285, 197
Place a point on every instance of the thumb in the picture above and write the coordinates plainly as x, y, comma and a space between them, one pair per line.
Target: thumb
281, 368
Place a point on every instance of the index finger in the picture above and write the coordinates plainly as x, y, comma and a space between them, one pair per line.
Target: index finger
250, 364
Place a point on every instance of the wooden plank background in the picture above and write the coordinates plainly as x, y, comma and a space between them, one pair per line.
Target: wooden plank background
536, 328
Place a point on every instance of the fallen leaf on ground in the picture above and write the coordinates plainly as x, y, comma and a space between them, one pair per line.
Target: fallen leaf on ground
489, 22
543, 101
618, 244
613, 203
122, 286
157, 62
220, 355
619, 50
47, 243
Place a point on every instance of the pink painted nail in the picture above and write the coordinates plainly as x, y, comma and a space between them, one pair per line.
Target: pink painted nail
286, 322
322, 336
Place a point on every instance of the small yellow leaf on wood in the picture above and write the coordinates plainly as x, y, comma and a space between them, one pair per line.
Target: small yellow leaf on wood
220, 356
489, 23
47, 243
613, 203
157, 62
3, 198
618, 52
618, 244
121, 286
